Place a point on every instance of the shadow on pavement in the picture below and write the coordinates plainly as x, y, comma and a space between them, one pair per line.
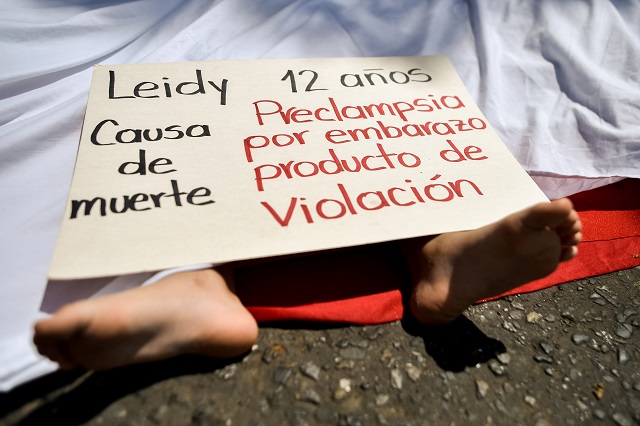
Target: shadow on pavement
457, 345
72, 398
36, 389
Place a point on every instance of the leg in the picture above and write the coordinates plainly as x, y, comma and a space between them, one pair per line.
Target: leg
452, 271
190, 312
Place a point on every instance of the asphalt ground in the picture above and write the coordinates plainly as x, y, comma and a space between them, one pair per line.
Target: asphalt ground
566, 355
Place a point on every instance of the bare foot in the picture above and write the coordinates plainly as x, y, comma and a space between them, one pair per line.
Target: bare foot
452, 271
190, 312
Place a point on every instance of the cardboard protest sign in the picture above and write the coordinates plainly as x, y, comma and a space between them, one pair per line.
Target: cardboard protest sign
185, 163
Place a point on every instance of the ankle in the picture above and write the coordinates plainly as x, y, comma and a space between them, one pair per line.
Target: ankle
431, 304
237, 339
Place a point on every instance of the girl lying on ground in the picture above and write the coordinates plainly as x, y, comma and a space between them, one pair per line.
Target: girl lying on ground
197, 312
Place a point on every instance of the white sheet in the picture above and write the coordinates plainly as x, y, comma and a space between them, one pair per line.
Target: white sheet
558, 80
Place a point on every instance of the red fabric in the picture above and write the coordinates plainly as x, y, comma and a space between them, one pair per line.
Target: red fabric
362, 286
359, 286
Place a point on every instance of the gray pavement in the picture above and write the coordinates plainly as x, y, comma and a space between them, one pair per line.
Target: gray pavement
562, 356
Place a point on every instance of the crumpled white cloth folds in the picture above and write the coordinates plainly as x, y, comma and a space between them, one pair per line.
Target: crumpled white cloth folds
559, 81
